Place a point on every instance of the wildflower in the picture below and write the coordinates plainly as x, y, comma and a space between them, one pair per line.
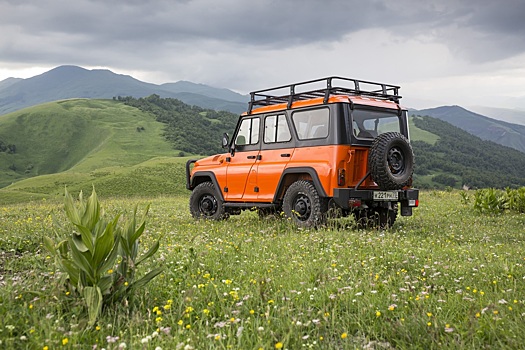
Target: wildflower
122, 346
478, 315
378, 313
429, 314
206, 311
429, 324
252, 312
279, 345
344, 335
45, 347
217, 337
65, 341
392, 307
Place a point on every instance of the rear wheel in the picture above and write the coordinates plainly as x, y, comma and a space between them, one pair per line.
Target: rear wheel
375, 218
205, 203
303, 205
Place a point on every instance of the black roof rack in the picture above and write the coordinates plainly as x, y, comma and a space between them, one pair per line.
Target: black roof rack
349, 87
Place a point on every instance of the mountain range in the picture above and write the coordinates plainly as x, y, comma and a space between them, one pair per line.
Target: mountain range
507, 127
66, 82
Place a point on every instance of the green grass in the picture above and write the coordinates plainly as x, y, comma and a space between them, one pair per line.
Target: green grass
158, 176
78, 135
445, 278
417, 134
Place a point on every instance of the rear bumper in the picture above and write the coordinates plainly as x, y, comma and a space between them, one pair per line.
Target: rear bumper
350, 198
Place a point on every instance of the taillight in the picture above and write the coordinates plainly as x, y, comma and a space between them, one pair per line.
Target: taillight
413, 202
341, 180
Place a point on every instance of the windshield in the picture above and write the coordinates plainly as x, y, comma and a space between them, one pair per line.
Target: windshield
367, 124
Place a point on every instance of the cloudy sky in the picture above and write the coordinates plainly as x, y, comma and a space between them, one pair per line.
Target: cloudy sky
461, 52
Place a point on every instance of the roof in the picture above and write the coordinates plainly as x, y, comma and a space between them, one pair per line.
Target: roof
323, 91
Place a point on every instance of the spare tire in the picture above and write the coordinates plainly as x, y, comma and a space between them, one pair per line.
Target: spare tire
391, 161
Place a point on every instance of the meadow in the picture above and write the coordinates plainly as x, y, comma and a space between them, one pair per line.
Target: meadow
446, 278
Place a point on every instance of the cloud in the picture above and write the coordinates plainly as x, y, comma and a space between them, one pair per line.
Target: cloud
246, 45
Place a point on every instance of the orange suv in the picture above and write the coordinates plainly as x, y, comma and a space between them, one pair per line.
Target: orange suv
314, 149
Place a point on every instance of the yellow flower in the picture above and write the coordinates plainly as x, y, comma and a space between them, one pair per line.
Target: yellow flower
344, 335
478, 315
180, 323
429, 314
206, 311
321, 338
271, 302
378, 313
65, 341
252, 312
188, 326
279, 345
429, 324
97, 328
110, 271
218, 337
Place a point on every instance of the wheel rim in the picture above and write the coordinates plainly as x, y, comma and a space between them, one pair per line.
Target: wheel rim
302, 207
208, 205
396, 161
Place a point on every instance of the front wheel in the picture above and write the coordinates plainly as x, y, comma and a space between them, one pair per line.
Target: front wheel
302, 204
205, 203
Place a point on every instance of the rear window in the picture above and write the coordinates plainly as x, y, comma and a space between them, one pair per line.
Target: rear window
312, 124
369, 124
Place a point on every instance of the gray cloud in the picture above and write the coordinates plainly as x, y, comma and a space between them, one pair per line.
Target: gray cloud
235, 41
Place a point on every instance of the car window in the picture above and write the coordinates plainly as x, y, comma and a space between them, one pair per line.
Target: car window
312, 124
369, 124
248, 132
276, 129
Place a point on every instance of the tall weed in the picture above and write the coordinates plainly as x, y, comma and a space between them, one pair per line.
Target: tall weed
89, 252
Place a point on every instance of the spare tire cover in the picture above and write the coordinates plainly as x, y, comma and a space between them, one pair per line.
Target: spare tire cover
391, 161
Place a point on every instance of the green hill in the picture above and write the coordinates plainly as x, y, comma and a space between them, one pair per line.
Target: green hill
458, 158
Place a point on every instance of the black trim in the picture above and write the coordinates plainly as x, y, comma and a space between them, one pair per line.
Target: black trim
343, 195
300, 170
188, 173
206, 174
248, 205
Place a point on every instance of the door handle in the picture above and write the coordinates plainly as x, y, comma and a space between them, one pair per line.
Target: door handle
285, 154
251, 157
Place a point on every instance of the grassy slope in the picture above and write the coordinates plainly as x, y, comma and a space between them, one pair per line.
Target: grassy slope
82, 142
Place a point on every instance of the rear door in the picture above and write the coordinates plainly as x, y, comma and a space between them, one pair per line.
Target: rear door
276, 151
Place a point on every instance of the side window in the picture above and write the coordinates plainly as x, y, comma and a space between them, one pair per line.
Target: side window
248, 132
276, 129
312, 124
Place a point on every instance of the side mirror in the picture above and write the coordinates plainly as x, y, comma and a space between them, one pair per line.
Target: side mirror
225, 140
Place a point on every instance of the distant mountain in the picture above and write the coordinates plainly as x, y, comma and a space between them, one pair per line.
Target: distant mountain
66, 82
498, 131
8, 82
514, 116
201, 89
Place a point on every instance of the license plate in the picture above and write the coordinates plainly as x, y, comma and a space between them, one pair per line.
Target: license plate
385, 195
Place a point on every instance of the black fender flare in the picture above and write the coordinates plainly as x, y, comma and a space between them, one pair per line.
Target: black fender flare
300, 170
203, 176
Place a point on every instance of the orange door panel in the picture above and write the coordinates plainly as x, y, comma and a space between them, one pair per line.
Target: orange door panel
239, 174
269, 170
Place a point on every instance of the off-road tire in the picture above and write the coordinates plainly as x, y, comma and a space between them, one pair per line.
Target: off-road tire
205, 203
375, 218
302, 204
391, 161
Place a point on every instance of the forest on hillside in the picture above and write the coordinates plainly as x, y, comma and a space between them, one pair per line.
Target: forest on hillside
459, 158
191, 129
